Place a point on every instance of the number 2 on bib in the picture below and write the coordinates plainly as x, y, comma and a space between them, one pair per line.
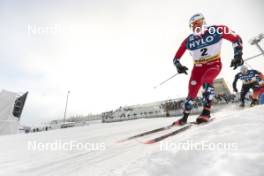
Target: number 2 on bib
204, 52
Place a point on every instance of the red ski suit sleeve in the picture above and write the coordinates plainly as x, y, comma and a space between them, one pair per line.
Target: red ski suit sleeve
228, 34
181, 50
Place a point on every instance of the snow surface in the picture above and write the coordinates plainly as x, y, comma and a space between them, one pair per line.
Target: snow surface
243, 128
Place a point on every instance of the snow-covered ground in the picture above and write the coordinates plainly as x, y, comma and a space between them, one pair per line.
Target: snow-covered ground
231, 145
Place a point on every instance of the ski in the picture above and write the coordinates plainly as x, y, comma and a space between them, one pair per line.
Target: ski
177, 131
157, 139
147, 133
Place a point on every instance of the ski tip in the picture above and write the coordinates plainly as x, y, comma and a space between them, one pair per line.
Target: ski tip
120, 141
149, 142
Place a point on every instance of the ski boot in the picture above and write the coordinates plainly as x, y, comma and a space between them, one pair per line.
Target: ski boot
181, 121
204, 116
242, 105
253, 102
187, 107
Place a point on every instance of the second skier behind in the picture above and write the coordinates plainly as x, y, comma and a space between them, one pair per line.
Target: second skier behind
252, 79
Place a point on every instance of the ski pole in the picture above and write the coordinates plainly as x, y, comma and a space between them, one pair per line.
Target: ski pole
166, 80
253, 57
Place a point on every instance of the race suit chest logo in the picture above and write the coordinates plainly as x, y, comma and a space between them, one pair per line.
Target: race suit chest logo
197, 42
247, 78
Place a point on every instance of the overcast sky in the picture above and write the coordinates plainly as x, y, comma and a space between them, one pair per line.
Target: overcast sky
108, 53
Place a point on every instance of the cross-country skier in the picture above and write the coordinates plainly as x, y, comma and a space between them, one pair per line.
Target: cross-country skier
252, 79
204, 45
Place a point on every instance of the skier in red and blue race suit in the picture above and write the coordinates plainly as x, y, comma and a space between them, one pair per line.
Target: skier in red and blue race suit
204, 45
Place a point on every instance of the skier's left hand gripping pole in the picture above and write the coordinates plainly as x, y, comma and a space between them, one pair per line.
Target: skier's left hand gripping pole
166, 80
